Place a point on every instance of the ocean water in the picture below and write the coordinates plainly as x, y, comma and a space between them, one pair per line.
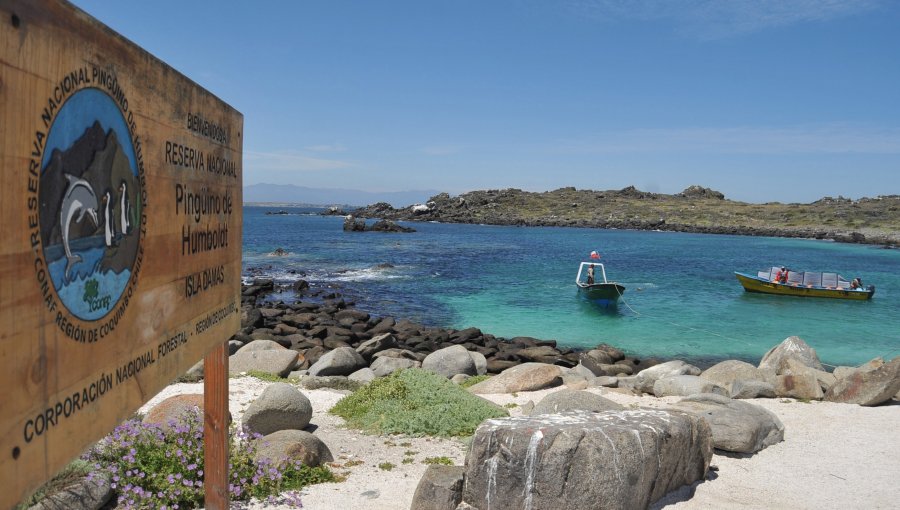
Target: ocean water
681, 300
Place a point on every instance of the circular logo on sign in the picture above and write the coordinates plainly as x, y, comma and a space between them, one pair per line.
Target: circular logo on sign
90, 204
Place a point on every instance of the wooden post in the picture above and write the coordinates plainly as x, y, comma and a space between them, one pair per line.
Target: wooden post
215, 428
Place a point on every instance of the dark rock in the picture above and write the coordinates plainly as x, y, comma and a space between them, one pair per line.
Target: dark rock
379, 343
440, 488
340, 361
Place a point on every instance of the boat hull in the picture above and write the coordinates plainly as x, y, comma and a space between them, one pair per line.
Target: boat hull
759, 285
604, 294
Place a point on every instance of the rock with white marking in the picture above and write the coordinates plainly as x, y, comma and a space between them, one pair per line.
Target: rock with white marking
581, 460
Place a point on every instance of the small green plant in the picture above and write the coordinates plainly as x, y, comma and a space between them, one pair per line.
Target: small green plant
154, 467
406, 444
265, 376
353, 463
415, 402
386, 466
446, 461
511, 405
410, 452
472, 381
408, 460
390, 443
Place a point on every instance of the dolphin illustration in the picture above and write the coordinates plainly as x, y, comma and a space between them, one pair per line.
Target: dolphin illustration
78, 199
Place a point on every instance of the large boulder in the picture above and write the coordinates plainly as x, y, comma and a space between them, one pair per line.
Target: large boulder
645, 379
593, 359
440, 488
843, 372
274, 362
867, 388
582, 460
281, 406
340, 361
450, 361
384, 366
736, 426
798, 381
727, 372
685, 386
378, 343
524, 377
293, 445
480, 362
791, 347
261, 345
752, 389
170, 410
574, 400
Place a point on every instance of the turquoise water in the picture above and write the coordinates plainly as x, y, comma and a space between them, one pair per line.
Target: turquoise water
681, 299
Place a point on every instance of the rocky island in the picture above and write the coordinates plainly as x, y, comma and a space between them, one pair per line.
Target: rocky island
696, 209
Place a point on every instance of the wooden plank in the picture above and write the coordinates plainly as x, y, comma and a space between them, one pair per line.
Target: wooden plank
215, 428
120, 221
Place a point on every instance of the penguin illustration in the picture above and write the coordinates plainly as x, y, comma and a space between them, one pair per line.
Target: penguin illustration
123, 205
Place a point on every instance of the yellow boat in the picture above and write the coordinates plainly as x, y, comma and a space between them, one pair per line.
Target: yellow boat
805, 284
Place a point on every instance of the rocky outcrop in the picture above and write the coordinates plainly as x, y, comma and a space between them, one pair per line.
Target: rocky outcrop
867, 387
696, 209
583, 460
354, 224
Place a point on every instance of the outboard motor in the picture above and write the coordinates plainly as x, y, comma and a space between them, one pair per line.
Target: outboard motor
871, 288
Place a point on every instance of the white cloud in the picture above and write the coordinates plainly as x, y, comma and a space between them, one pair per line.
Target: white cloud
715, 19
291, 161
812, 139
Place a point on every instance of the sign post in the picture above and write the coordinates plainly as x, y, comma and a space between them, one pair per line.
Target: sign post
120, 240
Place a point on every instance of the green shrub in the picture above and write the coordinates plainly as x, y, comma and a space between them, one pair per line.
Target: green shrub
417, 403
472, 381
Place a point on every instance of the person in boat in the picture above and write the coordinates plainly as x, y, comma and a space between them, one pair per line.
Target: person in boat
590, 274
856, 284
782, 275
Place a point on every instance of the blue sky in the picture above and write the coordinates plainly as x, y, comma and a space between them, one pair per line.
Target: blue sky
764, 100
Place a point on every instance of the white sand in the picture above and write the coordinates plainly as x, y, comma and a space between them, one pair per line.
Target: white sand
833, 456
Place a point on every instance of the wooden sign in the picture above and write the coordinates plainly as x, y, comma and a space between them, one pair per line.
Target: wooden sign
120, 233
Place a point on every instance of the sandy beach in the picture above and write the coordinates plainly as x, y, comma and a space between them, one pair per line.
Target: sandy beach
833, 456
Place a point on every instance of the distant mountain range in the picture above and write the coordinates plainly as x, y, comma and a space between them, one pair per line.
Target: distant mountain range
291, 194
